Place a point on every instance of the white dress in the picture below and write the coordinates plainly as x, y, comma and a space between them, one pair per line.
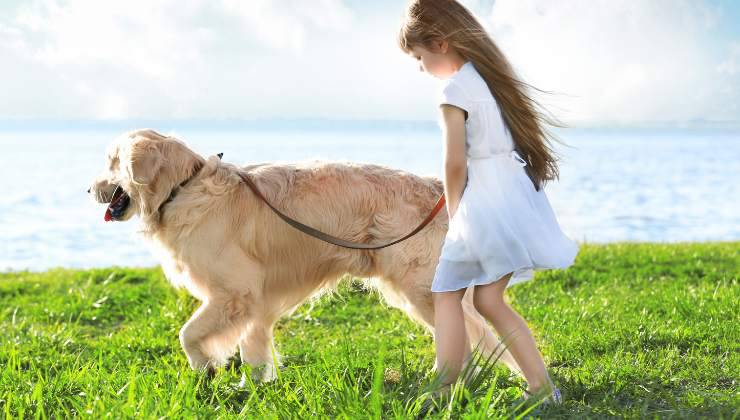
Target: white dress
502, 224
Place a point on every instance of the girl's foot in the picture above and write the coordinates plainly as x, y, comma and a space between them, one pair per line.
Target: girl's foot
548, 393
442, 391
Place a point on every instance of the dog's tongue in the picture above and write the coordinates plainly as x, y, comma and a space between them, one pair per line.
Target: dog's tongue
117, 193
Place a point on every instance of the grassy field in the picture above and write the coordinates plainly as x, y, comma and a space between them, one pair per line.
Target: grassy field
631, 330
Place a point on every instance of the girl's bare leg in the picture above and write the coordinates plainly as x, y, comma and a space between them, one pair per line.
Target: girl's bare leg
489, 301
450, 337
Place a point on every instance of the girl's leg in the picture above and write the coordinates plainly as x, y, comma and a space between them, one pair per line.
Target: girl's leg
450, 337
489, 301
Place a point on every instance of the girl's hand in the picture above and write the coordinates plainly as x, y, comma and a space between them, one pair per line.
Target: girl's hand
455, 161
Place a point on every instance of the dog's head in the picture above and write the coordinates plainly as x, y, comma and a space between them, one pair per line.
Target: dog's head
141, 169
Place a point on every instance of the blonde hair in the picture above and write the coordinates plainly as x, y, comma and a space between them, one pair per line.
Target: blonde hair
427, 21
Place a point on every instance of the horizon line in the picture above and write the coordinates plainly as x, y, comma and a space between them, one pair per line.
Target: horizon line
318, 122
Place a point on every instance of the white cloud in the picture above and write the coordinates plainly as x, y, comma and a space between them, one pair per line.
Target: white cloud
610, 61
283, 24
615, 61
146, 59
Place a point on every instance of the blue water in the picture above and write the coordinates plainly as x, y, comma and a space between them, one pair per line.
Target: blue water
615, 185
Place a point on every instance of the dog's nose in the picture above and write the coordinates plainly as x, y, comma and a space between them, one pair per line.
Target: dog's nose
88, 190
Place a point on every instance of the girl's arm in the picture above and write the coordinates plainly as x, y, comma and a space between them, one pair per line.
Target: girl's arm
455, 161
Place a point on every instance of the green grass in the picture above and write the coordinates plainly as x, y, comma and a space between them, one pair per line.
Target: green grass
635, 330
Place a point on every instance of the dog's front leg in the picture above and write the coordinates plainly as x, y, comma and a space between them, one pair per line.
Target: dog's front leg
256, 349
208, 321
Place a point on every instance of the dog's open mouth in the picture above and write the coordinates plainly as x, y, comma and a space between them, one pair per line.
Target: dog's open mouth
118, 204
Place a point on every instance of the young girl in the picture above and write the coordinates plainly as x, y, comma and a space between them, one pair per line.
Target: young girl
502, 227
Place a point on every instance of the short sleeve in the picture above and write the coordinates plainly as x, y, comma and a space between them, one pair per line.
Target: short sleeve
453, 94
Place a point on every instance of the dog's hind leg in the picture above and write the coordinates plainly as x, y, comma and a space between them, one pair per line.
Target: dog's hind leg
256, 348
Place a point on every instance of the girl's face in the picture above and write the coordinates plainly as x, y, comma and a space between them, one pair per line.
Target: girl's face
441, 63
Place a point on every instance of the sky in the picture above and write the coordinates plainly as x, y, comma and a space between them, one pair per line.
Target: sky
606, 62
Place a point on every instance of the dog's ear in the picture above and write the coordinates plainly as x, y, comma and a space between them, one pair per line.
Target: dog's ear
144, 161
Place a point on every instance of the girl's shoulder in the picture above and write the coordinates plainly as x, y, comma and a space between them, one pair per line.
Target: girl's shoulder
454, 93
464, 88
461, 79
474, 83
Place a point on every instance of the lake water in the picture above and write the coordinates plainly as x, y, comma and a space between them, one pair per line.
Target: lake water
615, 185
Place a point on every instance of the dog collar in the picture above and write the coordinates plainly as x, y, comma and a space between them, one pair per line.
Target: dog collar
173, 193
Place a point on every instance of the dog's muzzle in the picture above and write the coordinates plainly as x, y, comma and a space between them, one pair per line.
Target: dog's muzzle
119, 202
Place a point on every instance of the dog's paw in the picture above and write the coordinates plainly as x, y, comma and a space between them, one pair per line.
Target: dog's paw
208, 370
264, 373
260, 374
205, 367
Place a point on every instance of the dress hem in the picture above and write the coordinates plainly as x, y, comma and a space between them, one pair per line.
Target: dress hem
512, 281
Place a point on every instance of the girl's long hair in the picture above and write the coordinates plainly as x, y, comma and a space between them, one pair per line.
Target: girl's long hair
430, 20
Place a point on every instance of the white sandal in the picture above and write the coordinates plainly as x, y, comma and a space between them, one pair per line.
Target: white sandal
555, 397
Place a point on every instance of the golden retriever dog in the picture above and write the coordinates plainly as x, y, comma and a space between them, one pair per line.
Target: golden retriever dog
249, 267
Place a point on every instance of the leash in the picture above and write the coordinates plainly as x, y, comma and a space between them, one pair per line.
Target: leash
308, 229
338, 241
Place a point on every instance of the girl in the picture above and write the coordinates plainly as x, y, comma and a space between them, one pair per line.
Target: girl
502, 227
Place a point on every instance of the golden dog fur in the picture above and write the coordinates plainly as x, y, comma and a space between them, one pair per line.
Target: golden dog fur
248, 267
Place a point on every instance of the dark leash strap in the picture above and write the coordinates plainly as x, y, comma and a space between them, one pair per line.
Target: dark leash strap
332, 239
